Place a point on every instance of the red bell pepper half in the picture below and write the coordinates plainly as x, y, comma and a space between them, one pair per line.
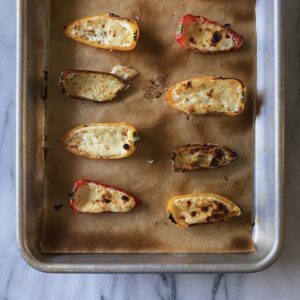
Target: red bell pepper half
93, 197
207, 36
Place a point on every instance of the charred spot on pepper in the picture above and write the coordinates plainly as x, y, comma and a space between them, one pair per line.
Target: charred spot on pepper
210, 94
222, 207
193, 214
218, 216
192, 40
227, 26
204, 208
171, 218
216, 37
189, 85
219, 153
71, 195
194, 164
114, 15
125, 198
126, 147
135, 36
214, 163
192, 150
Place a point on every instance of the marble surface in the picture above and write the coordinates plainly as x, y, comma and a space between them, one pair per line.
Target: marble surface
19, 281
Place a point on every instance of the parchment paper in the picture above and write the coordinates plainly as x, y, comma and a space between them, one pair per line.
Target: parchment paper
146, 228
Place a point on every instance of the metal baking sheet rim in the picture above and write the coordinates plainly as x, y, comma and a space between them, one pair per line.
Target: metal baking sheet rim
63, 265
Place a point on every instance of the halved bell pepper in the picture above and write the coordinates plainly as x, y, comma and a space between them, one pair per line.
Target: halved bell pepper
207, 36
93, 197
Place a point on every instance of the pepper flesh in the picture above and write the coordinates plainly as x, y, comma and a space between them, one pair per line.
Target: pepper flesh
201, 156
100, 31
200, 208
81, 183
216, 32
107, 147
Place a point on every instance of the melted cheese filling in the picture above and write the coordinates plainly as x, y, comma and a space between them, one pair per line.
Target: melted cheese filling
95, 198
101, 141
92, 86
126, 73
200, 36
197, 157
197, 210
105, 31
208, 95
184, 159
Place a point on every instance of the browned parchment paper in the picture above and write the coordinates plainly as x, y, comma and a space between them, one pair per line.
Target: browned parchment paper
146, 228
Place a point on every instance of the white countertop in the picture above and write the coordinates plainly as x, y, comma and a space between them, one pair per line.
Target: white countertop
19, 281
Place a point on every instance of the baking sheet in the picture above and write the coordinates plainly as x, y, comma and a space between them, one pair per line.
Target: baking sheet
147, 229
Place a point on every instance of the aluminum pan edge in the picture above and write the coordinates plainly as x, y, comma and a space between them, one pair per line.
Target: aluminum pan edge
36, 262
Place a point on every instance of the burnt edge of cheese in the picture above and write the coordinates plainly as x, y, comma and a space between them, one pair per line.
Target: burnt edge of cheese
66, 72
220, 156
